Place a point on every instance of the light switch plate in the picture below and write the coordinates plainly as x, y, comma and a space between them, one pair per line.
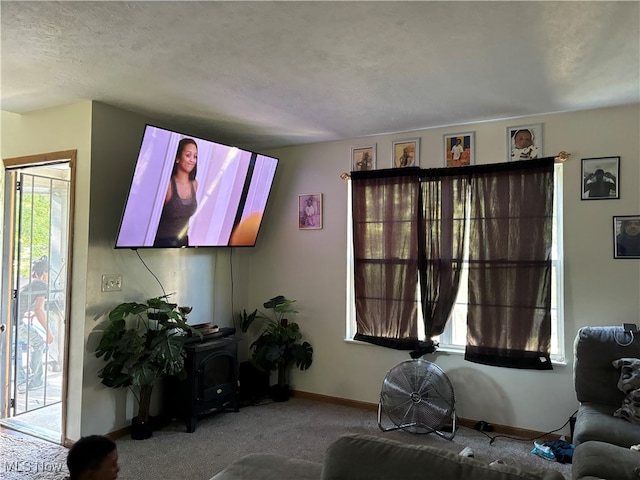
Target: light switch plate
111, 283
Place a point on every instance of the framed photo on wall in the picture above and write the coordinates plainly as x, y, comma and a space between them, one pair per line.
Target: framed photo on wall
363, 158
626, 236
524, 142
406, 153
600, 178
310, 211
459, 149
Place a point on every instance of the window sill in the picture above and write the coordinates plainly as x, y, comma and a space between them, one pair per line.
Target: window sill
451, 349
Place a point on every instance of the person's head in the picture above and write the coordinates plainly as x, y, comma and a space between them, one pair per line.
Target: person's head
40, 267
631, 227
187, 158
309, 201
523, 138
599, 173
94, 457
458, 142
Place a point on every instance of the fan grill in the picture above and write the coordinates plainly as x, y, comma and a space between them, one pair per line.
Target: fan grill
417, 396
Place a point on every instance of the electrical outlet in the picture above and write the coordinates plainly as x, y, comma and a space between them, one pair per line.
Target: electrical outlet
111, 283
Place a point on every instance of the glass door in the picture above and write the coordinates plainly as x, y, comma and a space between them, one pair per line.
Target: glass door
38, 244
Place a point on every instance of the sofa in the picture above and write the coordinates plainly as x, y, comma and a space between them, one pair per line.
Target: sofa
367, 457
605, 373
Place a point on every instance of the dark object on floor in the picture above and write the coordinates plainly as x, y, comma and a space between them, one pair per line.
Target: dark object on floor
562, 450
483, 426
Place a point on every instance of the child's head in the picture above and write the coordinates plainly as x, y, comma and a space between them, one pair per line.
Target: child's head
40, 266
93, 457
523, 138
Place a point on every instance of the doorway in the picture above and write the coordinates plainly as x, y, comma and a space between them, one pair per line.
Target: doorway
36, 246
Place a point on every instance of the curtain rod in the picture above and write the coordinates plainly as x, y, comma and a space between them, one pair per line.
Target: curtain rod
561, 157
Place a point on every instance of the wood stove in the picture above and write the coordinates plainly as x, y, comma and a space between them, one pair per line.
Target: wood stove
212, 378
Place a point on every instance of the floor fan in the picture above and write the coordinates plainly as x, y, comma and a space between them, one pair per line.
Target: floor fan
418, 397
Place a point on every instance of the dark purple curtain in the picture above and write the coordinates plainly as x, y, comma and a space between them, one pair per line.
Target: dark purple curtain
444, 198
385, 212
411, 222
511, 218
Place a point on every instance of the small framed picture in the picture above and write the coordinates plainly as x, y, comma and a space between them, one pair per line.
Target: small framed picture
363, 158
459, 149
600, 178
626, 236
310, 211
524, 142
406, 153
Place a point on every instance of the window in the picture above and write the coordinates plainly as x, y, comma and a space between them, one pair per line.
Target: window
454, 337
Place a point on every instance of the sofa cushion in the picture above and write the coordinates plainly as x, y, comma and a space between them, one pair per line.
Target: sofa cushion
595, 349
365, 457
630, 409
596, 422
629, 374
269, 466
603, 460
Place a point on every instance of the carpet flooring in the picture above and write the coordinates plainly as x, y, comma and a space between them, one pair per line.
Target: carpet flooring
299, 428
23, 458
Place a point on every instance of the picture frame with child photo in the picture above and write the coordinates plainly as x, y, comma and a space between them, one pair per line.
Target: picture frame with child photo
459, 149
363, 158
310, 211
406, 153
524, 142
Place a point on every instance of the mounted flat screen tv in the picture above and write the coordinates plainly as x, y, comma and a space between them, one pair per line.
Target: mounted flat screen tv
190, 192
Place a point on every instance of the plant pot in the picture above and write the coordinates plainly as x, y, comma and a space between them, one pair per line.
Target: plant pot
254, 383
279, 393
140, 430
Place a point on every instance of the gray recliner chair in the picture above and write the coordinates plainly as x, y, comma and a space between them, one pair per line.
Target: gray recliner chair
602, 440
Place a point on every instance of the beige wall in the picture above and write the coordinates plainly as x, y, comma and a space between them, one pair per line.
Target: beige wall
310, 265
197, 277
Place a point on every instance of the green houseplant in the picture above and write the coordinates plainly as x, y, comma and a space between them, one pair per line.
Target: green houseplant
279, 345
141, 343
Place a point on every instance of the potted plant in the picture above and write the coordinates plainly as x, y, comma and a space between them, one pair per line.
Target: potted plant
279, 345
142, 343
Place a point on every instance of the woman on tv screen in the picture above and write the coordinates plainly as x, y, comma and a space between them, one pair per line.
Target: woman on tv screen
180, 202
167, 207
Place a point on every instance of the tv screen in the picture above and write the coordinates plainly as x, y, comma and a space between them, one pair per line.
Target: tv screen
190, 192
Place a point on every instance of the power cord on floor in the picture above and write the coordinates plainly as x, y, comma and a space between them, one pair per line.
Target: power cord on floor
495, 437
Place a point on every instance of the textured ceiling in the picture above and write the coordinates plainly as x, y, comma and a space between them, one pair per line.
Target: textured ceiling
270, 74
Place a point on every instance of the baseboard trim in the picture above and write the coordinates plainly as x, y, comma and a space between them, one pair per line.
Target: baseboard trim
335, 400
521, 433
